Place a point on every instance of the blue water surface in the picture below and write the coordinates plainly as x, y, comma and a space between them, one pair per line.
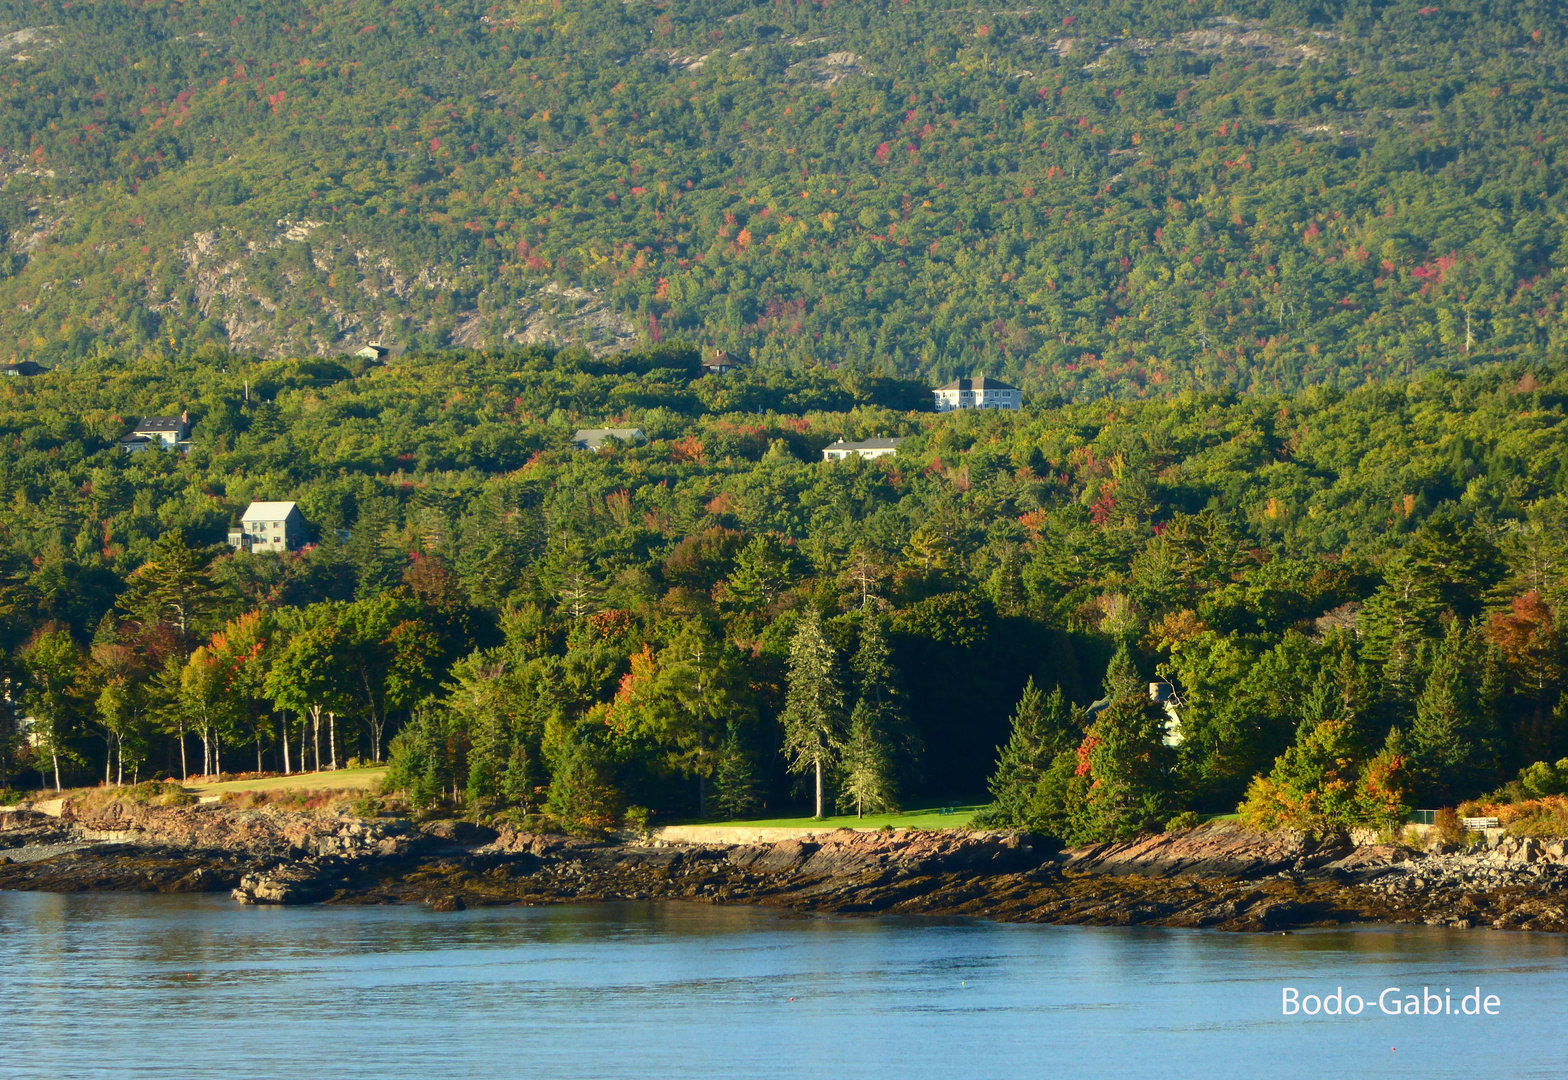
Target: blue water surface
121, 985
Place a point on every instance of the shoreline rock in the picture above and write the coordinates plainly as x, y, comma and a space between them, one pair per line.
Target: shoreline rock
1219, 876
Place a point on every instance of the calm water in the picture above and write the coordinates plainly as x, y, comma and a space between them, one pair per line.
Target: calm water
131, 986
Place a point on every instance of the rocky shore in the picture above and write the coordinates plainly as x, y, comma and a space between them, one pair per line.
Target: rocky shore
1218, 876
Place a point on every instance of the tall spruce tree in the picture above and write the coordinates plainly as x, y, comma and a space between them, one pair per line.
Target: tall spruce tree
1042, 728
813, 715
737, 784
868, 781
1121, 676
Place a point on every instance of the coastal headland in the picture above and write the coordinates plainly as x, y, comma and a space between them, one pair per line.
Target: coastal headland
1218, 876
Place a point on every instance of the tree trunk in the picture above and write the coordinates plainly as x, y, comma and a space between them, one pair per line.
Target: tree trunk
283, 730
56, 758
819, 786
315, 717
332, 739
185, 773
217, 750
206, 750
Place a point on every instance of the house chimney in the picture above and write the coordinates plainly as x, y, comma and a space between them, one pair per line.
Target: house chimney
185, 416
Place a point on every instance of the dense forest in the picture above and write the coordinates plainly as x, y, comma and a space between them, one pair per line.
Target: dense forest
1130, 198
1353, 594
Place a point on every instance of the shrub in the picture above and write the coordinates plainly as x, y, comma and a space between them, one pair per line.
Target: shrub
1187, 819
174, 795
368, 807
1446, 827
636, 820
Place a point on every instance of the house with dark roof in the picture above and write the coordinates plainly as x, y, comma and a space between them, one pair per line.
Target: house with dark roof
374, 351
870, 449
158, 433
719, 363
981, 393
26, 367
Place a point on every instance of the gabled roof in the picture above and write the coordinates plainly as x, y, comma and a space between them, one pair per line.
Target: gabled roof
981, 383
160, 423
268, 511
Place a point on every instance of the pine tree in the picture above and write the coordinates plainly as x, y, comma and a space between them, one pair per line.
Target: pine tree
736, 781
1129, 767
868, 782
1121, 677
1042, 728
1007, 584
1449, 737
814, 704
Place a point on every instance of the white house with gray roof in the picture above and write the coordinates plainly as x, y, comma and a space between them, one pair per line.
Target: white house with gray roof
269, 526
870, 449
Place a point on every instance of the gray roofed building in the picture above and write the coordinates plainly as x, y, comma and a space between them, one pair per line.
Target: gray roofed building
269, 526
870, 449
981, 393
157, 432
594, 438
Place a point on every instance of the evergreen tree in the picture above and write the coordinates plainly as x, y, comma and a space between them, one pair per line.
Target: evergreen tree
1042, 728
736, 780
1450, 733
172, 592
867, 781
814, 704
1121, 677
762, 573
1129, 769
1007, 583
582, 797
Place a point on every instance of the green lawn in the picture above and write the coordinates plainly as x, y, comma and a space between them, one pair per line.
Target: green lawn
345, 779
933, 818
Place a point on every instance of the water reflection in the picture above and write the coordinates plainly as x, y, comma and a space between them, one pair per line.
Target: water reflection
124, 985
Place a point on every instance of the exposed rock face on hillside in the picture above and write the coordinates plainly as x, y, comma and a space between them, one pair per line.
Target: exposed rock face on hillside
1221, 876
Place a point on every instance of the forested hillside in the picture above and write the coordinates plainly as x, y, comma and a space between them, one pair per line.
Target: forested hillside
1132, 197
1355, 594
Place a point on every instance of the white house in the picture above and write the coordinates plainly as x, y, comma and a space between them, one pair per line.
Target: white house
594, 438
157, 433
269, 526
374, 351
981, 393
871, 449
